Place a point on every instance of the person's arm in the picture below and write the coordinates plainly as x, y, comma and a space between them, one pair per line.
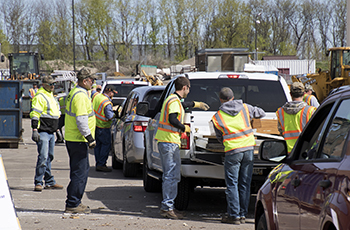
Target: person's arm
109, 113
83, 125
175, 122
255, 112
218, 134
314, 102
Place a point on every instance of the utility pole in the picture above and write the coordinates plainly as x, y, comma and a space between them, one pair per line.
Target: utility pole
256, 35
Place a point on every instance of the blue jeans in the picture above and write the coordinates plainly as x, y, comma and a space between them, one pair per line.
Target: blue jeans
103, 145
238, 176
171, 165
46, 147
79, 172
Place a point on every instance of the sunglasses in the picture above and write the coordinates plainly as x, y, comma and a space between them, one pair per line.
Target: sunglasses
51, 84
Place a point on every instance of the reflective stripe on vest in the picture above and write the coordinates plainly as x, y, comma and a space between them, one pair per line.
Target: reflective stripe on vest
236, 130
99, 103
293, 131
307, 98
165, 124
70, 105
166, 132
48, 108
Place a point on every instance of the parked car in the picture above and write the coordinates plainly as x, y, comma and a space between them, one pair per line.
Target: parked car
127, 131
123, 86
202, 155
310, 189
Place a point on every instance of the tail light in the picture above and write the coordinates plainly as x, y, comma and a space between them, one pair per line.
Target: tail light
185, 140
140, 126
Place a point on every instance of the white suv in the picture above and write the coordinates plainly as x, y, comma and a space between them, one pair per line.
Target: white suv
201, 154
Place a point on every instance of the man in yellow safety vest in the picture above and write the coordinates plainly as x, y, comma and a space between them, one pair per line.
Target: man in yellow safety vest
294, 115
233, 129
44, 116
103, 108
80, 123
309, 98
168, 136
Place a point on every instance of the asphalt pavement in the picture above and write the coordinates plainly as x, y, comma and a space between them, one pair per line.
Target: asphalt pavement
116, 202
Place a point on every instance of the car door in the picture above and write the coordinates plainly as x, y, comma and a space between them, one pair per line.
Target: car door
120, 126
318, 174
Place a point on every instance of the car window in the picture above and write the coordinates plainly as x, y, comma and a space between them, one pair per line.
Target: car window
311, 138
255, 92
153, 98
127, 104
337, 132
124, 89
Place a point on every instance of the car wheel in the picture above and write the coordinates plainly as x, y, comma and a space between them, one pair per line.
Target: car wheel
129, 169
183, 193
262, 225
150, 184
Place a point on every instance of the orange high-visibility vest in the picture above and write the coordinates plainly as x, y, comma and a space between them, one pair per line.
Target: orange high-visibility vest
236, 130
293, 124
99, 102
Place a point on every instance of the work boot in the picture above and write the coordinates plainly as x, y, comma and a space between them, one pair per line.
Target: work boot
38, 188
230, 219
103, 168
55, 186
79, 209
171, 214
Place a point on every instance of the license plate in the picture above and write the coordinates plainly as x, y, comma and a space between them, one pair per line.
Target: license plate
258, 172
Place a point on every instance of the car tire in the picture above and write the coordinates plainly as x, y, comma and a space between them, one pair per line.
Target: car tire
129, 169
262, 225
150, 184
183, 194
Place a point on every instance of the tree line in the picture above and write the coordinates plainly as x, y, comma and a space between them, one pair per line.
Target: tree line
171, 28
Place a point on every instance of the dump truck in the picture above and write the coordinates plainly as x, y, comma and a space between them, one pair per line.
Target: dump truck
324, 81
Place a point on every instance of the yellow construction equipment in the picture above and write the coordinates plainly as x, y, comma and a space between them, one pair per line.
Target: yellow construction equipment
154, 80
338, 75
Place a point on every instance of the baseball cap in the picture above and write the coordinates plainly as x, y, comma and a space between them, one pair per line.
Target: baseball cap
309, 87
111, 88
297, 87
85, 73
48, 79
226, 93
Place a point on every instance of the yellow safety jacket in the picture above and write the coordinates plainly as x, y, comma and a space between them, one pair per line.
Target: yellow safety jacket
78, 103
62, 103
293, 124
32, 93
99, 103
167, 132
307, 98
236, 130
45, 109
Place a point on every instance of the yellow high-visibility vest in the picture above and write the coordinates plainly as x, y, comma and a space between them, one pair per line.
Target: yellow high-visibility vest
293, 124
99, 103
167, 132
78, 103
236, 130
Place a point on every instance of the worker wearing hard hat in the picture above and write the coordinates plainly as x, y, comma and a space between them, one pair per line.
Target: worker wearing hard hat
293, 115
309, 98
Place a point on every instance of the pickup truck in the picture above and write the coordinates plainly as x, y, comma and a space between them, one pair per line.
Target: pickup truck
202, 155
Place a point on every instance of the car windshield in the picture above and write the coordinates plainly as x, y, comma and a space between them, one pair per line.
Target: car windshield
268, 95
124, 89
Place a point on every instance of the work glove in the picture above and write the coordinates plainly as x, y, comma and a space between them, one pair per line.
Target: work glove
187, 129
200, 105
91, 141
35, 136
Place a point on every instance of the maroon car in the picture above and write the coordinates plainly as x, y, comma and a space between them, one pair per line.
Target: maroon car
310, 189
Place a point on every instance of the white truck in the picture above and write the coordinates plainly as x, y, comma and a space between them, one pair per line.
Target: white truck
201, 154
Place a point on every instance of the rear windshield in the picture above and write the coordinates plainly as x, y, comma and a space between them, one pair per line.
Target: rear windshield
153, 98
268, 95
124, 89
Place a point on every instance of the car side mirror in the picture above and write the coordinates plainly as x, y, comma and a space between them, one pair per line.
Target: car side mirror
142, 108
273, 150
